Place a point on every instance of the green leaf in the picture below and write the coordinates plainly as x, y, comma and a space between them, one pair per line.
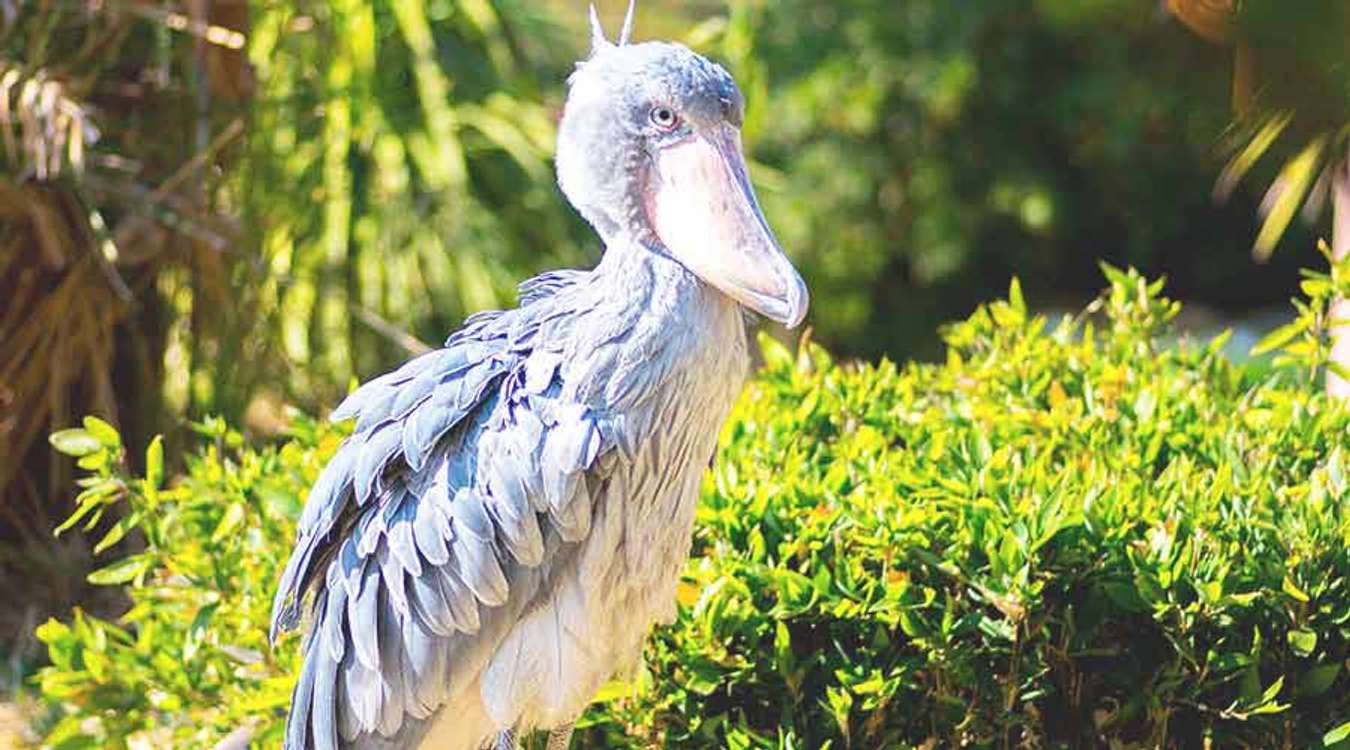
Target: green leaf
1015, 299
121, 571
1286, 195
52, 631
1243, 161
198, 629
1114, 275
233, 516
105, 433
1279, 337
1316, 288
80, 512
154, 463
1336, 735
96, 461
782, 648
1341, 370
776, 356
1303, 642
1318, 680
117, 532
1292, 589
74, 442
1271, 692
90, 499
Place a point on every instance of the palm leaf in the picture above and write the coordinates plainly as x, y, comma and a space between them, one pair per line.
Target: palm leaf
1257, 144
44, 129
1286, 195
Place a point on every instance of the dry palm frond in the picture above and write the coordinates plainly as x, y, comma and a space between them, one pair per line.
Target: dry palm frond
232, 234
57, 322
87, 236
54, 129
62, 298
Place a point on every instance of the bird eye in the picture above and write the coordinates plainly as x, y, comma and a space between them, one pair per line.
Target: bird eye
664, 118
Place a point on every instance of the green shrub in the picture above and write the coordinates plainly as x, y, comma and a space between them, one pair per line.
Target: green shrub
189, 662
1067, 535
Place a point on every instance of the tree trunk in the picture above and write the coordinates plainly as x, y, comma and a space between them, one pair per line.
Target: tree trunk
1337, 386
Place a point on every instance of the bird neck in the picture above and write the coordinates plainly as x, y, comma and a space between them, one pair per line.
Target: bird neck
686, 333
627, 255
630, 262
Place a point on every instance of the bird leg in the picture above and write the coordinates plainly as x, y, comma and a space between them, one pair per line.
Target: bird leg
506, 740
560, 737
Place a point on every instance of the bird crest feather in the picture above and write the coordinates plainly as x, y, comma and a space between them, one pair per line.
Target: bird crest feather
598, 40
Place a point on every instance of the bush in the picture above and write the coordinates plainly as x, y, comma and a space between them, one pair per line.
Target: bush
919, 153
189, 662
1070, 535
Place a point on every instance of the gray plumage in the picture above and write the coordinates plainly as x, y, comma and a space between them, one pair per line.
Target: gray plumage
511, 512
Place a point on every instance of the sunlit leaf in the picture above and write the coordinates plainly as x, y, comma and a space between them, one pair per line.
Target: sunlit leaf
117, 532
121, 571
1286, 194
75, 442
1247, 157
103, 432
154, 462
1278, 337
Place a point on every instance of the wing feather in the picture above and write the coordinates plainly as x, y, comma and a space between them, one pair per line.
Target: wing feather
481, 570
379, 447
362, 615
462, 603
323, 718
391, 670
401, 543
429, 605
466, 470
469, 516
429, 532
302, 700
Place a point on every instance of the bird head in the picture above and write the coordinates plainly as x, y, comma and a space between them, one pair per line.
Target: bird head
649, 151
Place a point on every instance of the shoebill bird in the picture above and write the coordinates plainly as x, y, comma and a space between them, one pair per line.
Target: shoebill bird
511, 513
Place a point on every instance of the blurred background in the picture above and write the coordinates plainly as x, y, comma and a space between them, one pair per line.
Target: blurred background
237, 207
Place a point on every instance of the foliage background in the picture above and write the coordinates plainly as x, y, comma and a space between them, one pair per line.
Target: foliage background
1070, 533
230, 206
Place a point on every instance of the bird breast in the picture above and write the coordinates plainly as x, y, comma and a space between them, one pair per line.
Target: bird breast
602, 604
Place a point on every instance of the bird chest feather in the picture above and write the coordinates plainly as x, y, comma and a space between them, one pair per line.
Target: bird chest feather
591, 618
